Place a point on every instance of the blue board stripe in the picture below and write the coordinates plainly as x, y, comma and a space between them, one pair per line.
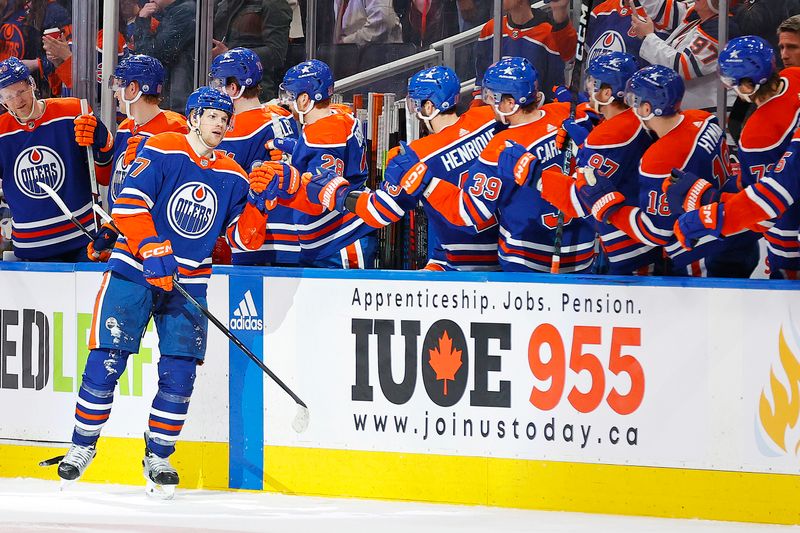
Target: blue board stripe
246, 384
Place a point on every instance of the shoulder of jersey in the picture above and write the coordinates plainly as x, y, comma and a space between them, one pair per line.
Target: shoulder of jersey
616, 131
771, 123
175, 121
277, 110
249, 121
604, 8
336, 128
472, 120
61, 107
488, 29
671, 150
224, 162
168, 141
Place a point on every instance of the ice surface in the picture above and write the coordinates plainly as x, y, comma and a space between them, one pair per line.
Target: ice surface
33, 505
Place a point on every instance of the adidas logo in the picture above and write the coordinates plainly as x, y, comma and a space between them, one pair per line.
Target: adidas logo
245, 317
550, 128
462, 132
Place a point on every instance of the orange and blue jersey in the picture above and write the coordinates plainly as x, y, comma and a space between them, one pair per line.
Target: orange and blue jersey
696, 145
546, 46
335, 142
172, 193
163, 122
610, 31
448, 155
764, 139
245, 143
45, 150
613, 149
526, 222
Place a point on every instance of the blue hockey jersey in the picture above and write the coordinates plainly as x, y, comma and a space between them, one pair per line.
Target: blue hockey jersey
526, 221
45, 150
173, 193
335, 142
251, 131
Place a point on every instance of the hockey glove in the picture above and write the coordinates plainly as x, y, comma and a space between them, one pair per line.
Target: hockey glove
285, 176
600, 197
100, 248
518, 164
699, 223
260, 178
91, 132
130, 150
401, 159
563, 94
159, 265
280, 147
329, 190
570, 130
686, 192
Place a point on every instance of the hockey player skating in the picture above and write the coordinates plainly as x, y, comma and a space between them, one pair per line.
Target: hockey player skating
527, 222
238, 72
180, 194
45, 140
613, 150
137, 84
690, 141
447, 152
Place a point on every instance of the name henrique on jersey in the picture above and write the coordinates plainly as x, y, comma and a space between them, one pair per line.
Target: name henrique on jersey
335, 142
245, 143
448, 154
45, 150
526, 221
188, 199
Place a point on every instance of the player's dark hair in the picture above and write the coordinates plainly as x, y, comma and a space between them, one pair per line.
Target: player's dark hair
152, 99
249, 92
769, 87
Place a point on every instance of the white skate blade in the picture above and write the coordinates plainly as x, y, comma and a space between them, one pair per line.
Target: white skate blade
159, 492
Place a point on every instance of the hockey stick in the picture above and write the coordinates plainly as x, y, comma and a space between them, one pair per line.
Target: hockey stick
64, 209
92, 170
574, 88
300, 422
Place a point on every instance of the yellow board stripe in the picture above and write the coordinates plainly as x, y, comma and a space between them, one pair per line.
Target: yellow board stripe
580, 487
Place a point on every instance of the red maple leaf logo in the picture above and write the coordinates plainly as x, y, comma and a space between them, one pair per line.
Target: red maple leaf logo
444, 360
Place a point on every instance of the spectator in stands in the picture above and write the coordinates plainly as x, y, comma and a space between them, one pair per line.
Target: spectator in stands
761, 17
363, 22
427, 21
472, 13
789, 41
14, 31
172, 43
691, 49
259, 25
547, 41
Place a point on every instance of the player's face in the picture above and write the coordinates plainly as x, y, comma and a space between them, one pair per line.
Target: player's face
18, 98
789, 44
213, 126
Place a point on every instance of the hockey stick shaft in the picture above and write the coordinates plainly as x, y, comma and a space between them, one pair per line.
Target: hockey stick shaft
210, 316
92, 170
64, 209
574, 87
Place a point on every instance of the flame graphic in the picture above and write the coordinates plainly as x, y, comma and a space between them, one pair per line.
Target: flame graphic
784, 412
199, 194
36, 156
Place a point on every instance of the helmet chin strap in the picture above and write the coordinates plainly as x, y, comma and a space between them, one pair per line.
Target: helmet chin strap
427, 119
302, 114
239, 94
747, 97
597, 103
128, 103
196, 131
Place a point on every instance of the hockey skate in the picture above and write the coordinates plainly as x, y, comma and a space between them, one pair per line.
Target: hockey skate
72, 466
160, 475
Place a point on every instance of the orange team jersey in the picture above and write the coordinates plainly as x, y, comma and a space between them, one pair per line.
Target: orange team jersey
526, 221
546, 47
252, 129
765, 137
448, 155
161, 123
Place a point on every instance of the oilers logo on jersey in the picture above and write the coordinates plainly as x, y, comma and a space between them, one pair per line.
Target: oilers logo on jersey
609, 41
38, 163
118, 176
191, 209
